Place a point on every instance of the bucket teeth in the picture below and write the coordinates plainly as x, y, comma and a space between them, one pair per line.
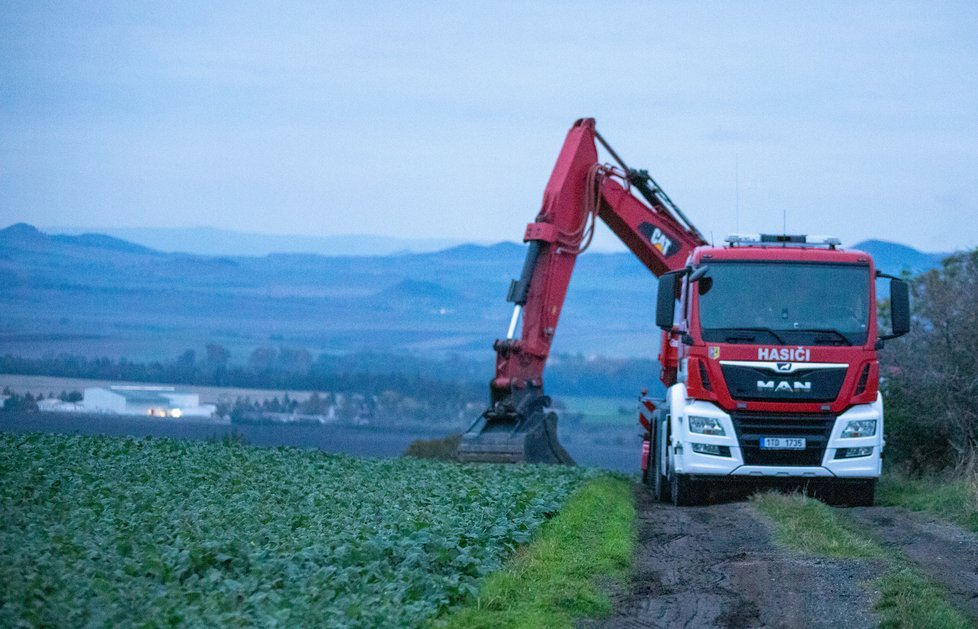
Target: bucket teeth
514, 439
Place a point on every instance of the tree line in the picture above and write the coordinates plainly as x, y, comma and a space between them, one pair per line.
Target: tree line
188, 370
450, 377
930, 376
14, 401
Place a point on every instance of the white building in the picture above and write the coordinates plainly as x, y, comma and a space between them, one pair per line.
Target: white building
145, 400
51, 405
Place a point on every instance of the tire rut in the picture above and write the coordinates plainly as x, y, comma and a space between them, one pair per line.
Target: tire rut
716, 566
944, 552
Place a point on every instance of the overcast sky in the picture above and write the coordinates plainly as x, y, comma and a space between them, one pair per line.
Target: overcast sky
444, 119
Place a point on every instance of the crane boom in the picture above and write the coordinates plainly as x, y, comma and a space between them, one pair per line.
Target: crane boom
517, 427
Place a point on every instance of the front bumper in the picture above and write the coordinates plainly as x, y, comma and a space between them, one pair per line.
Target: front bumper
744, 463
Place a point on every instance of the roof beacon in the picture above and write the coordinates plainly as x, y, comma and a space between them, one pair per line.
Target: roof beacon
783, 240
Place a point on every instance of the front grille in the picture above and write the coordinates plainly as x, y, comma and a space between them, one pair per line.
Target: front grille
815, 429
802, 385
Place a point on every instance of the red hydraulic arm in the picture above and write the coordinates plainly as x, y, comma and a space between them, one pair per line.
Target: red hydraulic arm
579, 190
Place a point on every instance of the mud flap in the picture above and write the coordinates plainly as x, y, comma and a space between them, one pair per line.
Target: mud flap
513, 439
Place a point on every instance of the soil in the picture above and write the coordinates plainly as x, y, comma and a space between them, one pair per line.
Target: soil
717, 566
942, 551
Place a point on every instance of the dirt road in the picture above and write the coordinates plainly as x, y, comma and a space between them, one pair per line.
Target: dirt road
940, 550
717, 566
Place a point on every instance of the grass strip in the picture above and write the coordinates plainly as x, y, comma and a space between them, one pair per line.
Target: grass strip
557, 578
955, 499
907, 598
813, 527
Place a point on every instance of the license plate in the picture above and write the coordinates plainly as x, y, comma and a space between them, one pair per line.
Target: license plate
782, 443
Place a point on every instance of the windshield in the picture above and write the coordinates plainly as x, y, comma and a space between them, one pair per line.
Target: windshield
785, 303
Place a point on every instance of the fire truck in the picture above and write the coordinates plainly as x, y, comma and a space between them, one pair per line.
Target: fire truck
768, 351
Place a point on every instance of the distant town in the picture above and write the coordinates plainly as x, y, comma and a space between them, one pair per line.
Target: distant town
171, 403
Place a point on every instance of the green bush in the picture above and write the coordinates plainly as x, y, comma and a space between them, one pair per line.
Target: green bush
930, 378
437, 449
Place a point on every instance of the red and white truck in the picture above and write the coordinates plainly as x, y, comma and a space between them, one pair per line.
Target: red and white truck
774, 341
769, 343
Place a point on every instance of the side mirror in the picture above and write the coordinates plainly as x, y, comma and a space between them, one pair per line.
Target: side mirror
699, 272
665, 303
899, 308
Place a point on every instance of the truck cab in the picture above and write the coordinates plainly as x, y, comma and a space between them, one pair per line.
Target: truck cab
770, 353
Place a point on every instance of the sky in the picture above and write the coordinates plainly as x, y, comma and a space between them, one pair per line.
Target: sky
443, 120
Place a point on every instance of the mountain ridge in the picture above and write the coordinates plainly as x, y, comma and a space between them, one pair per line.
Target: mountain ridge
885, 253
95, 295
226, 242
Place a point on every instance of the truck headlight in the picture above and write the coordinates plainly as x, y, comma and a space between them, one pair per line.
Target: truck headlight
705, 426
852, 453
709, 448
859, 428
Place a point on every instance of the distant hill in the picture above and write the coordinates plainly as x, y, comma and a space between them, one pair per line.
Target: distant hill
27, 235
98, 295
225, 242
894, 258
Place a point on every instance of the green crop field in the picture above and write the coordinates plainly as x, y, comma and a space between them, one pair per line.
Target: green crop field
110, 531
601, 410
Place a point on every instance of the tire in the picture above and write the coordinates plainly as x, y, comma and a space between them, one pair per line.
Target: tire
647, 478
687, 492
660, 483
662, 489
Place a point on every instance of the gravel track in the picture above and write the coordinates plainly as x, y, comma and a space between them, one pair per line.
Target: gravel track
944, 552
716, 566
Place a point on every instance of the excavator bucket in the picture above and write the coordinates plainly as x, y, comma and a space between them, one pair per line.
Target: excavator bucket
503, 434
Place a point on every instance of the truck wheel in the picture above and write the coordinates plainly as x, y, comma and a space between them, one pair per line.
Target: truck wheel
687, 492
647, 478
662, 489
660, 483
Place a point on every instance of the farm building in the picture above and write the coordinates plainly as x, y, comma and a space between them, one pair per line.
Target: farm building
145, 400
60, 406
